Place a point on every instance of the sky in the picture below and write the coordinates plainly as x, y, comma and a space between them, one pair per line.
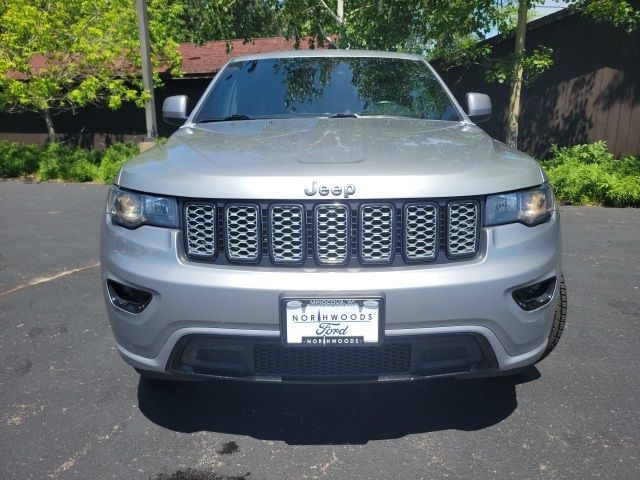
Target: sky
546, 8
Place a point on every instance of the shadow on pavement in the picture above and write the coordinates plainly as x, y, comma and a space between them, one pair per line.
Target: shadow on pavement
330, 414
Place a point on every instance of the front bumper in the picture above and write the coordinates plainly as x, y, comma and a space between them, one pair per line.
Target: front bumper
468, 297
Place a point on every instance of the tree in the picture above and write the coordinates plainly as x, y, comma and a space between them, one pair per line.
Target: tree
58, 55
200, 21
423, 26
619, 13
521, 66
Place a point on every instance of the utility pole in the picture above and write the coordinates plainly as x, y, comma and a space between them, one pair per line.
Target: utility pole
340, 13
147, 74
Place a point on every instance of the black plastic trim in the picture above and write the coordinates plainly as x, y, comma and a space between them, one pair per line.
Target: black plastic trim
238, 360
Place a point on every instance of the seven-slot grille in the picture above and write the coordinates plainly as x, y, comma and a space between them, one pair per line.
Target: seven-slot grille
332, 233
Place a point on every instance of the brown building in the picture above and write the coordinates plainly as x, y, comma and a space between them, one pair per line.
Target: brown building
591, 93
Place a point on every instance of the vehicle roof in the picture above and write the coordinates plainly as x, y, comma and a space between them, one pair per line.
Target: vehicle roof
327, 53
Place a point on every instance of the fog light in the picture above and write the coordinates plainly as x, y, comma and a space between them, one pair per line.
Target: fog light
128, 298
536, 295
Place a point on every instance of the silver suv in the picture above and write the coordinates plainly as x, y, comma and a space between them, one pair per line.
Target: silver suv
331, 216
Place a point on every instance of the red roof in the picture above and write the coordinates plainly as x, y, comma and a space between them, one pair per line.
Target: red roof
210, 57
206, 59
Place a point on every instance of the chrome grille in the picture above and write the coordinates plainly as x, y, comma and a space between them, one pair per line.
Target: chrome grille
242, 232
287, 238
350, 233
420, 232
462, 228
200, 220
332, 233
377, 233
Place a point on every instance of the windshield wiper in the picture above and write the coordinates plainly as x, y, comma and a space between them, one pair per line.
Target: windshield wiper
230, 118
344, 115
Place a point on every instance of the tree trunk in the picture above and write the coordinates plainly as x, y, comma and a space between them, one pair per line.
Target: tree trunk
49, 122
516, 83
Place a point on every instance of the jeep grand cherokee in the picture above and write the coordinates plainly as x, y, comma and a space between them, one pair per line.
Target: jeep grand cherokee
331, 216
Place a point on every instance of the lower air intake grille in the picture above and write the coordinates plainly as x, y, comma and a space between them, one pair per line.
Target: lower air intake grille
272, 359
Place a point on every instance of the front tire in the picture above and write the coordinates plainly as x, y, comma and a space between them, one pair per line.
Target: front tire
559, 320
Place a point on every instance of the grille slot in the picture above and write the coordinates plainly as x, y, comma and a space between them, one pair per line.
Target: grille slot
287, 234
242, 232
462, 228
269, 359
332, 233
421, 232
200, 220
377, 231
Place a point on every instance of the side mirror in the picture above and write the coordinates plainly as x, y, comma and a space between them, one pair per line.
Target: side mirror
174, 109
478, 107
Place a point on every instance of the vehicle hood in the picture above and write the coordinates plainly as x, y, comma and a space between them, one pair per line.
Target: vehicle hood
279, 159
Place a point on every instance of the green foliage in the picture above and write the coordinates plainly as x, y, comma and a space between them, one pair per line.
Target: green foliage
501, 70
590, 175
18, 160
112, 160
199, 21
435, 28
619, 13
57, 161
62, 54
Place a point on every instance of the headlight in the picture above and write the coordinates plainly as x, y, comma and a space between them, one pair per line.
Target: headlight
131, 210
530, 207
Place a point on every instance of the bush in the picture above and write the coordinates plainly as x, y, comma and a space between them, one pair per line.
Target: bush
58, 161
590, 175
113, 159
17, 160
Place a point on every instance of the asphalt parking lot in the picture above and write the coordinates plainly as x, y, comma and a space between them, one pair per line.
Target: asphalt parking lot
70, 408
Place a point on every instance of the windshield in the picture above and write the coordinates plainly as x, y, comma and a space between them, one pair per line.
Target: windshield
326, 86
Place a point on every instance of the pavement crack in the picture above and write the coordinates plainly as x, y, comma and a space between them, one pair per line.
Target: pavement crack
39, 280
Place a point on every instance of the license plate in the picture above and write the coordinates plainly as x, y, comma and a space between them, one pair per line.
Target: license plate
327, 322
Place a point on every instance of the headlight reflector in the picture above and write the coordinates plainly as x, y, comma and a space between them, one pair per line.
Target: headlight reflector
131, 209
530, 207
